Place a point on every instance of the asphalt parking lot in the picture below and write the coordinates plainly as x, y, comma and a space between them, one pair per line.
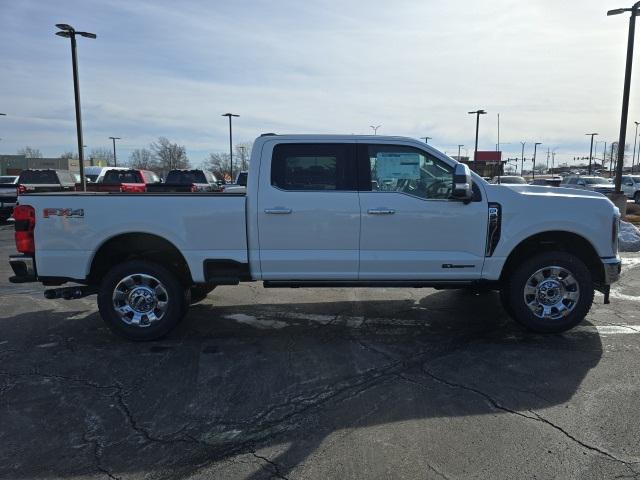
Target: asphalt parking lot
316, 384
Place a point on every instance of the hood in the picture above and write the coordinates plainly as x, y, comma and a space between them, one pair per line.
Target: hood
542, 190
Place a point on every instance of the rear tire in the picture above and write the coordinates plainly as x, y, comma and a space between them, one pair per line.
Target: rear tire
550, 293
141, 300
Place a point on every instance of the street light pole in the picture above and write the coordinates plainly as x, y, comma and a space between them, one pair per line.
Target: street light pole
627, 87
459, 147
535, 149
67, 31
522, 159
230, 142
591, 150
115, 159
426, 139
375, 128
477, 113
635, 140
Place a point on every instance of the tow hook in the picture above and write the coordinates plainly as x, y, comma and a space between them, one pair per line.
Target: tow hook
69, 293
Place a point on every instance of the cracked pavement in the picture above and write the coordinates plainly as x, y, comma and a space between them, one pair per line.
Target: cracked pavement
316, 384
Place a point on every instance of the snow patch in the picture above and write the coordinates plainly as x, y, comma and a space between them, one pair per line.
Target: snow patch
254, 322
628, 237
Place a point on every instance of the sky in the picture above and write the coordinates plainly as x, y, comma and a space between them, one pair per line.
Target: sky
553, 71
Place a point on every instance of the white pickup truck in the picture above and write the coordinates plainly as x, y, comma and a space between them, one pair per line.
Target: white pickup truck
324, 211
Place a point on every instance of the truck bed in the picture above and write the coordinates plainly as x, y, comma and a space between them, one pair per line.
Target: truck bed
202, 226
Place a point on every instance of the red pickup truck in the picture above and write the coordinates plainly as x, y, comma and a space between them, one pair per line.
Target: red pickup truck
130, 181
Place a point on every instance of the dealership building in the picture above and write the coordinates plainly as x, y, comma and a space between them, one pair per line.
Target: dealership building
14, 164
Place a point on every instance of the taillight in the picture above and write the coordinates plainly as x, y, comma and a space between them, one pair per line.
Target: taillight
21, 189
194, 188
25, 223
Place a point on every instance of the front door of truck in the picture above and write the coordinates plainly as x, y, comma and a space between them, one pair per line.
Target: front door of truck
410, 228
308, 212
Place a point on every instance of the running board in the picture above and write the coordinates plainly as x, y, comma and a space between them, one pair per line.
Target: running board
437, 284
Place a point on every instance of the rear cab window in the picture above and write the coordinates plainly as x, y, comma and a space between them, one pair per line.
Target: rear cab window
186, 177
38, 177
314, 167
116, 177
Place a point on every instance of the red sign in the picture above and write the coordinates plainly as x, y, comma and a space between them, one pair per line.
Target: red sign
488, 156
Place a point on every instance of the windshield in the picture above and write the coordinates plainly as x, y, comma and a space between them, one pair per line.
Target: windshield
91, 178
512, 180
636, 179
596, 181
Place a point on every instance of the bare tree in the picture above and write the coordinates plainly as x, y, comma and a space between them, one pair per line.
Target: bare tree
29, 152
69, 156
100, 155
142, 158
169, 155
219, 164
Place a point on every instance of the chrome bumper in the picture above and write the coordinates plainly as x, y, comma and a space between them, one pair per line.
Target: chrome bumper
24, 268
611, 267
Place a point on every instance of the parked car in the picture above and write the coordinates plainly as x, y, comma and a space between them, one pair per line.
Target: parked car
8, 195
631, 187
195, 180
595, 184
339, 211
547, 182
45, 180
509, 180
95, 174
124, 180
240, 186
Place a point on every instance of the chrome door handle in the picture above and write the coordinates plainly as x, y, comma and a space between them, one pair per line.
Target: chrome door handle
381, 211
277, 211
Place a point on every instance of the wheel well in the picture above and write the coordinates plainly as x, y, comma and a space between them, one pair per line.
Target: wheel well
141, 246
558, 241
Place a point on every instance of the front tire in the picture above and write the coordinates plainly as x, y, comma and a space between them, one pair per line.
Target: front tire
550, 293
141, 300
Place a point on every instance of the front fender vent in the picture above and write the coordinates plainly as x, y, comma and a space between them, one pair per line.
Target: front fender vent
493, 228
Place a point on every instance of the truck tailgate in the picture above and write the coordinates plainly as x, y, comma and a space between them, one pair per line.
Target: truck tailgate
201, 227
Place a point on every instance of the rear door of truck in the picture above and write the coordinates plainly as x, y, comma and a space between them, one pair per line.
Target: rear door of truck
308, 211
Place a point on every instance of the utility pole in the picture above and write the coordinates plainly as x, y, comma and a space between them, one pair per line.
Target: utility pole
477, 113
635, 140
459, 147
522, 159
535, 149
591, 149
547, 158
67, 31
498, 145
626, 89
230, 142
115, 159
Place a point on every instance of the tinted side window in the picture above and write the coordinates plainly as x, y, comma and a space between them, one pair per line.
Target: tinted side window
397, 168
35, 177
315, 167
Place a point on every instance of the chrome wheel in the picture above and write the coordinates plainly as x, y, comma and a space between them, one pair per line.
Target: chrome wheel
140, 300
551, 293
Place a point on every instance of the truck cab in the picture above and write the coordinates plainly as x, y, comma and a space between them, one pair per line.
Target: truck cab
325, 211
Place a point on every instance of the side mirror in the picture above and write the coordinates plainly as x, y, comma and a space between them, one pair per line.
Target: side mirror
462, 184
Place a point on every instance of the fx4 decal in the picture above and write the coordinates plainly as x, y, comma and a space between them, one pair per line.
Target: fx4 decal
63, 212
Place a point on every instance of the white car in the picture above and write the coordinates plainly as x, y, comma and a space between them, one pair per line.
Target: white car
631, 187
96, 174
321, 210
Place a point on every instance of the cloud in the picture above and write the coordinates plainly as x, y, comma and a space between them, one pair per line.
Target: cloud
553, 70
